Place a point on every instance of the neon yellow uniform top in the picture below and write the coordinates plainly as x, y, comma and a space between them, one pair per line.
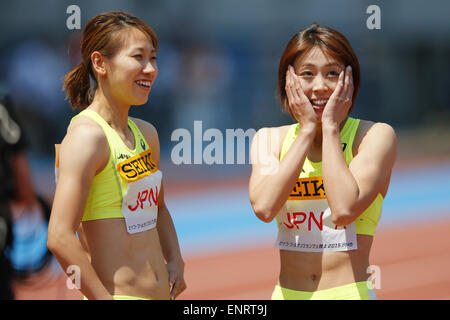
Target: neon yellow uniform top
128, 185
304, 222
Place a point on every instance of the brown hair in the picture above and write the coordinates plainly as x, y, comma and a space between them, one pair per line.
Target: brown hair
99, 34
331, 42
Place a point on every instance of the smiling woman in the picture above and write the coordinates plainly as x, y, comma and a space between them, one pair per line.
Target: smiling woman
332, 175
101, 41
126, 245
330, 43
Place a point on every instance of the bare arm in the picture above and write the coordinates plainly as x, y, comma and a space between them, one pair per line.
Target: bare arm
171, 248
350, 190
166, 229
269, 189
83, 151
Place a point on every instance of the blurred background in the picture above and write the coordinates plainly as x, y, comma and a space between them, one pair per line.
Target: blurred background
218, 63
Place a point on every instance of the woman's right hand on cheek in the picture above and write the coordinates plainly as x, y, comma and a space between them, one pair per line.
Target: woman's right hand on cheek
299, 104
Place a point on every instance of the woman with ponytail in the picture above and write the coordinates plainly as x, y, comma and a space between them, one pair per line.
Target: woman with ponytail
77, 86
109, 221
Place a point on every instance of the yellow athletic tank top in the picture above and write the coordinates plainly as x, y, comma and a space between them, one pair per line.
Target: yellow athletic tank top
110, 186
304, 222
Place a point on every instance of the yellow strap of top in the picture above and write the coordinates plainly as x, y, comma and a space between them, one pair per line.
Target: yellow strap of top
347, 134
107, 188
111, 135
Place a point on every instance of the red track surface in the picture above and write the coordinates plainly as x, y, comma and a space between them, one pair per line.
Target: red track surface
414, 263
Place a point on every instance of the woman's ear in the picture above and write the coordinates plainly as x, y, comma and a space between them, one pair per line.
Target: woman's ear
98, 63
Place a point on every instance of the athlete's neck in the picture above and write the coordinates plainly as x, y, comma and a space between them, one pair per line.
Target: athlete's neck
114, 113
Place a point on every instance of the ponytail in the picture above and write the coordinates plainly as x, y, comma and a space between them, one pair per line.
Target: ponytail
78, 87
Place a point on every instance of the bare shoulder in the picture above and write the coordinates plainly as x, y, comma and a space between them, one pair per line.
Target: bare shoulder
145, 126
86, 131
375, 133
80, 124
380, 129
85, 139
283, 130
280, 132
271, 136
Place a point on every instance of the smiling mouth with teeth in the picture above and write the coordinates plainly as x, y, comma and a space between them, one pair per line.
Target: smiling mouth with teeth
144, 84
319, 104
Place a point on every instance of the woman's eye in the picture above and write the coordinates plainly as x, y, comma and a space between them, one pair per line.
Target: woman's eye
333, 73
306, 74
139, 56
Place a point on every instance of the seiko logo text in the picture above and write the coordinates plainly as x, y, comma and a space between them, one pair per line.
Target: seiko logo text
137, 167
308, 189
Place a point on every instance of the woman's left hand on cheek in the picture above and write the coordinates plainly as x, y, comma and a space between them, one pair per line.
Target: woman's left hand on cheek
337, 107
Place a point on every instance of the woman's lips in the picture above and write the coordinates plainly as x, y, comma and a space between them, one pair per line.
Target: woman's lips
318, 108
144, 84
319, 104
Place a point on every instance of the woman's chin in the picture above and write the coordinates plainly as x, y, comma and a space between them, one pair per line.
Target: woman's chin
140, 101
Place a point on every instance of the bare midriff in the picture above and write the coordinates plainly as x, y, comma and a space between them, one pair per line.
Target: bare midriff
127, 264
312, 271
